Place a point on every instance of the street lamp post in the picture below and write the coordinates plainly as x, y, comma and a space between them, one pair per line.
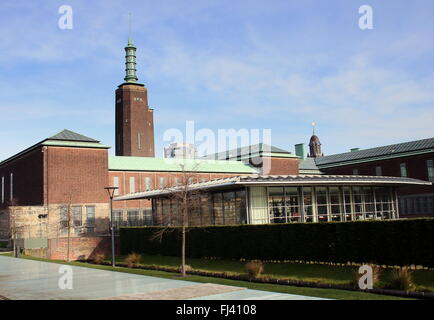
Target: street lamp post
111, 192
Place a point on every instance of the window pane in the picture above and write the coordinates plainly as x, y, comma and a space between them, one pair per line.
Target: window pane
291, 196
218, 208
63, 213
90, 215
403, 167
147, 217
133, 217
229, 207
76, 213
430, 168
276, 196
148, 184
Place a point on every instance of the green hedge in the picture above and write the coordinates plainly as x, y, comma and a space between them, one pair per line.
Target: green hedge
397, 242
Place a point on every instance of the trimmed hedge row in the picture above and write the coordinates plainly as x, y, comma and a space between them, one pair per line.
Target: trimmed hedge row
390, 242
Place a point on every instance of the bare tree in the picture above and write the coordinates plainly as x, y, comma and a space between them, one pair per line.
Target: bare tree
188, 200
66, 220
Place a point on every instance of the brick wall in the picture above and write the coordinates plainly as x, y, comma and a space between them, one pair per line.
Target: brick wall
280, 166
134, 118
81, 248
76, 175
27, 173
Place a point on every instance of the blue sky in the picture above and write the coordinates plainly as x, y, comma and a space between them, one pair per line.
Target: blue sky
224, 64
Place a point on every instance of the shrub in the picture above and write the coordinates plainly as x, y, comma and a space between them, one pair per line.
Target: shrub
254, 268
187, 268
383, 242
99, 257
133, 259
401, 279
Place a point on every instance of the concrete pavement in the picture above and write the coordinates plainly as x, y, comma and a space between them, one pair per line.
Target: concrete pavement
22, 279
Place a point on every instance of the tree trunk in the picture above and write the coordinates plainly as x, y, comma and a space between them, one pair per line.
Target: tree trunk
183, 252
184, 222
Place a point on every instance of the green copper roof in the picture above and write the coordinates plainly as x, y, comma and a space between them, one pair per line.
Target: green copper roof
170, 164
78, 144
130, 63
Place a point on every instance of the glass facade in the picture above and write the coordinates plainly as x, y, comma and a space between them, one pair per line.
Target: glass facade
281, 205
218, 208
330, 203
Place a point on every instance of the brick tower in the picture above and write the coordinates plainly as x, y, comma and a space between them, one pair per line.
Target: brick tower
134, 118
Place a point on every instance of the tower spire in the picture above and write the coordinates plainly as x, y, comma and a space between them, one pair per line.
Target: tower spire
313, 127
130, 58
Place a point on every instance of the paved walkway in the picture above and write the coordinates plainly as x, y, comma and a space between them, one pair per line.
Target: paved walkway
22, 279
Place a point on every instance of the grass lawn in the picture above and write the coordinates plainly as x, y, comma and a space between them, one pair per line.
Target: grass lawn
424, 279
315, 292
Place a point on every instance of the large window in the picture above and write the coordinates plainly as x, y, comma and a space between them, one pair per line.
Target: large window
229, 209
292, 205
117, 218
133, 217
336, 204
284, 204
330, 203
276, 204
368, 203
220, 208
321, 201
348, 204
307, 204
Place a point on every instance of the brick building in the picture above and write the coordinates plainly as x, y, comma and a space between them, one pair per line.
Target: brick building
52, 197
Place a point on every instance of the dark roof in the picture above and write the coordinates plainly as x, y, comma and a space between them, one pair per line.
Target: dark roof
307, 164
67, 135
314, 138
372, 154
242, 151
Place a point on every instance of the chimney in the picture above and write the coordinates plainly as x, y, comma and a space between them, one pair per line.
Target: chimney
300, 151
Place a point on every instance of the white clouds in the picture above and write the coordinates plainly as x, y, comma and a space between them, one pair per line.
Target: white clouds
256, 65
